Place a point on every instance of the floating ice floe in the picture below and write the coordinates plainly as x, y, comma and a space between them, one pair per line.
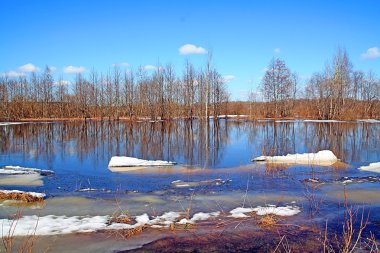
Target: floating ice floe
212, 182
372, 167
17, 170
240, 212
323, 157
93, 190
124, 161
21, 195
343, 180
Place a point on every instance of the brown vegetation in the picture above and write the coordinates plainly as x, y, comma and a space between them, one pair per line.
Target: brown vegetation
23, 196
338, 92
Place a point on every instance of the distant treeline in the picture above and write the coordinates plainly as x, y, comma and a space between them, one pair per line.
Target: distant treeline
116, 94
337, 92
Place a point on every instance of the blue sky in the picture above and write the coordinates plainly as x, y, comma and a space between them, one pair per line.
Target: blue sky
242, 35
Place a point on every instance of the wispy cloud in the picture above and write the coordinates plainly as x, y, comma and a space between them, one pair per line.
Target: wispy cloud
277, 50
29, 68
228, 78
52, 69
149, 67
121, 64
13, 74
73, 70
371, 53
191, 49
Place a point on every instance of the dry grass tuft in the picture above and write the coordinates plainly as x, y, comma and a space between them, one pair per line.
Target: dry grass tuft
23, 196
134, 231
121, 219
268, 220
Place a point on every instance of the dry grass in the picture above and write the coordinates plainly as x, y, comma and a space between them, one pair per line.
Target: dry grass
23, 196
121, 219
134, 231
8, 240
268, 220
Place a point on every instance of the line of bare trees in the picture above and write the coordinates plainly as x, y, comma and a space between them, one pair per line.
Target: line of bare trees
337, 92
118, 93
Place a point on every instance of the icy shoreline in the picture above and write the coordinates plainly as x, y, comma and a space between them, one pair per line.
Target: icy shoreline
55, 225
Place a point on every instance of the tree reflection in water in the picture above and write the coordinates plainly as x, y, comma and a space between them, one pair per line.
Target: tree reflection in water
194, 143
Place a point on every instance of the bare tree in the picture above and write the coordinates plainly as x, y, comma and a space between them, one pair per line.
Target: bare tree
277, 85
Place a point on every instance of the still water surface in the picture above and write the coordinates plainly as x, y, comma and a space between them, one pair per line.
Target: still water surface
79, 153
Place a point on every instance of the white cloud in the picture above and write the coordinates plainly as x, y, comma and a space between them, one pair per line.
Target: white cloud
191, 49
13, 74
52, 69
149, 67
62, 83
73, 70
277, 50
371, 53
121, 64
29, 68
228, 78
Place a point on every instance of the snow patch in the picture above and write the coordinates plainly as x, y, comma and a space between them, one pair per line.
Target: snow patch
323, 121
372, 167
240, 212
369, 120
11, 123
199, 217
166, 219
55, 225
17, 170
323, 157
280, 211
124, 161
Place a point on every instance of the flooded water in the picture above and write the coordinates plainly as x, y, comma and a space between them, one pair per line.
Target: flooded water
214, 168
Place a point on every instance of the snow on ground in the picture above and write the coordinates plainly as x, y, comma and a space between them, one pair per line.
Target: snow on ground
286, 121
11, 123
280, 210
55, 225
323, 157
369, 120
34, 194
199, 217
124, 161
17, 170
323, 120
232, 116
240, 212
166, 219
372, 167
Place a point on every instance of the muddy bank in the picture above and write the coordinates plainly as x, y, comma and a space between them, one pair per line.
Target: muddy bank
237, 240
